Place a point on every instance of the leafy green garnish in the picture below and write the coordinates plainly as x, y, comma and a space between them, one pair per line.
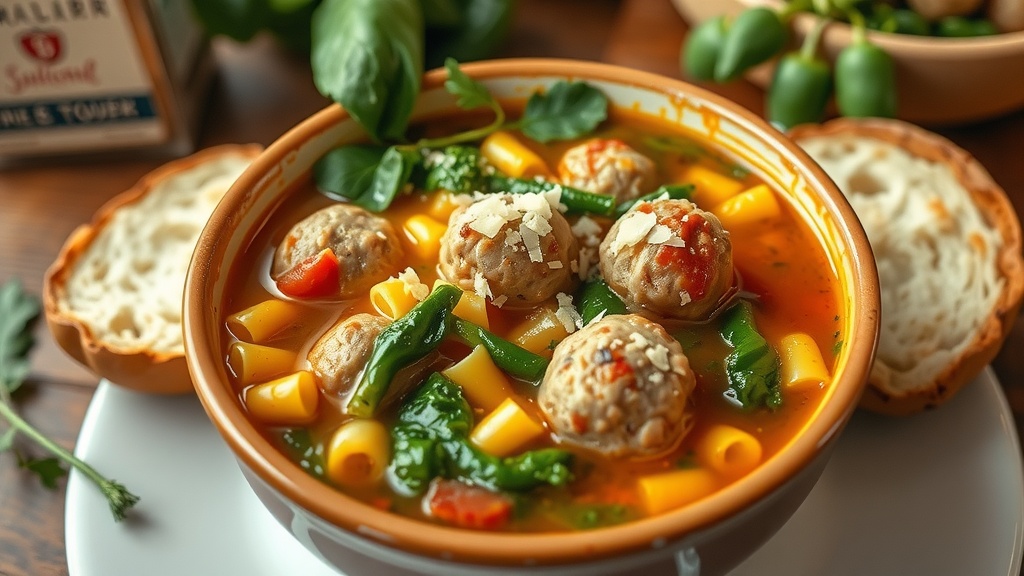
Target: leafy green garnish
368, 56
431, 439
753, 365
456, 168
346, 173
18, 313
567, 110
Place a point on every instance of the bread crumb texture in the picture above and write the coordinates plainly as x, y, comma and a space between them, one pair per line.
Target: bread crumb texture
936, 254
127, 286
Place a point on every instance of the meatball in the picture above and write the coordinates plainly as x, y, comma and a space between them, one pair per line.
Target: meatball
670, 258
608, 167
621, 387
516, 249
339, 356
367, 246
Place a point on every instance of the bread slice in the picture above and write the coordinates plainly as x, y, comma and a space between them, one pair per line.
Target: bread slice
113, 296
948, 247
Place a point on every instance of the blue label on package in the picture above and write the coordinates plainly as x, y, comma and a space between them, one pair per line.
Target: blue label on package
76, 112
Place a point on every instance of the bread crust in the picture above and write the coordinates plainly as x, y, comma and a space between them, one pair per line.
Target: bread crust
998, 212
139, 368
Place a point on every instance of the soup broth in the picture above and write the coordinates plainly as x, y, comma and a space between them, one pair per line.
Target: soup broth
779, 270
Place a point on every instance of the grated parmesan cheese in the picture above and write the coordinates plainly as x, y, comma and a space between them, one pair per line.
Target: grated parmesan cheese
658, 355
411, 284
480, 285
567, 313
632, 228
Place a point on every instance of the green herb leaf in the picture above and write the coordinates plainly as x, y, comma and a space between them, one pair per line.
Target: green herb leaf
368, 56
458, 169
347, 172
49, 470
390, 177
18, 313
568, 110
753, 365
470, 94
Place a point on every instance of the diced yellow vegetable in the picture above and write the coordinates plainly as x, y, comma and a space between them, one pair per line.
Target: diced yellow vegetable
257, 363
260, 322
538, 332
484, 384
289, 400
669, 490
442, 205
728, 450
512, 157
472, 307
358, 453
710, 187
424, 235
391, 299
758, 204
801, 363
506, 430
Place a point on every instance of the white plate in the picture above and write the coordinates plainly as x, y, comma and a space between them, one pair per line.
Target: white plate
939, 494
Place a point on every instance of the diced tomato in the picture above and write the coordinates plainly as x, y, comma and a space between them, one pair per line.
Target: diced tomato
313, 277
468, 506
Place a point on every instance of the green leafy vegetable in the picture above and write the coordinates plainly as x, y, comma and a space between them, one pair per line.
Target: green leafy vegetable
368, 56
567, 110
456, 168
753, 365
402, 342
347, 172
18, 312
431, 439
301, 448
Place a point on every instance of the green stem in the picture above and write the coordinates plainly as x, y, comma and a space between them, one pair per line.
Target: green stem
793, 7
859, 26
809, 48
469, 135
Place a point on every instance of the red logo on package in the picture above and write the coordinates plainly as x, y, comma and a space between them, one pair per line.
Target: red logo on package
43, 45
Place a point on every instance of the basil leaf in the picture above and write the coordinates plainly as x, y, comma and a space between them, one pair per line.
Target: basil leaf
347, 172
469, 93
368, 56
484, 26
390, 177
18, 314
568, 110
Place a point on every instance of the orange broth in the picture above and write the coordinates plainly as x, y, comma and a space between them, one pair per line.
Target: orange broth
780, 262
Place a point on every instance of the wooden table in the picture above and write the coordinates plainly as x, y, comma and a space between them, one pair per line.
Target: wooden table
260, 93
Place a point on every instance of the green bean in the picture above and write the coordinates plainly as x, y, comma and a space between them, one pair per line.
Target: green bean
401, 343
510, 357
702, 48
672, 191
755, 35
576, 200
596, 298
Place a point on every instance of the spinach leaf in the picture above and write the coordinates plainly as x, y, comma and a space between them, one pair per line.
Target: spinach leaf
347, 172
568, 110
431, 439
753, 365
483, 26
390, 177
368, 55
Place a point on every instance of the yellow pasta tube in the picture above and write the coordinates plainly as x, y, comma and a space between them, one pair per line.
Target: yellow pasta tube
442, 205
728, 450
424, 235
505, 430
257, 363
289, 400
710, 187
506, 153
472, 307
801, 363
484, 384
538, 332
358, 453
666, 491
748, 207
260, 322
391, 299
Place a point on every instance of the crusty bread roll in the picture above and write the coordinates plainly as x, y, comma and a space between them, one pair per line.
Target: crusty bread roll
113, 296
948, 247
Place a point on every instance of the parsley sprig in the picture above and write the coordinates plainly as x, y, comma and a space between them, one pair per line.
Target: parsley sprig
18, 313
